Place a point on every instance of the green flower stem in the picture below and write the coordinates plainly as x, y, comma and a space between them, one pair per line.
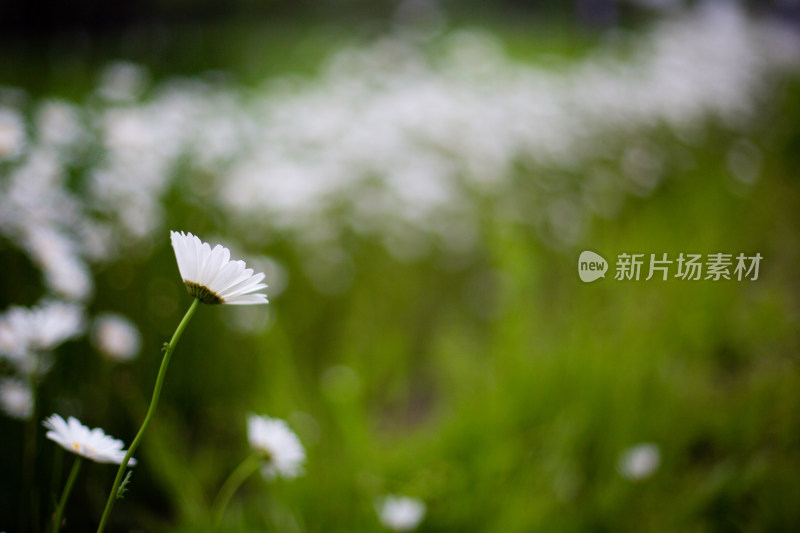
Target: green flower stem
232, 484
29, 494
112, 497
76, 466
58, 463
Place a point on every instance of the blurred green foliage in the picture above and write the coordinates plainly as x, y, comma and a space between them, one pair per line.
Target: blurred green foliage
494, 385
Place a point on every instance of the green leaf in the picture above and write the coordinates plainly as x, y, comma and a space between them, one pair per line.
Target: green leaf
123, 487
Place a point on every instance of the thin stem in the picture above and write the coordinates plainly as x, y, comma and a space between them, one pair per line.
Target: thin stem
55, 475
30, 497
232, 484
112, 497
76, 466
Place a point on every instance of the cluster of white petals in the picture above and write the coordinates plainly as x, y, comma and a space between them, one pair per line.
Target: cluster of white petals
639, 462
116, 337
28, 337
26, 332
211, 276
284, 454
12, 133
401, 513
16, 398
92, 444
58, 125
396, 136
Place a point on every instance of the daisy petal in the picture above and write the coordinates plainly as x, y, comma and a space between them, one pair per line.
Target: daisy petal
248, 299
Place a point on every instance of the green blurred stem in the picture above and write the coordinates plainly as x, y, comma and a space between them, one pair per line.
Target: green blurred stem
112, 497
30, 496
232, 484
58, 462
76, 466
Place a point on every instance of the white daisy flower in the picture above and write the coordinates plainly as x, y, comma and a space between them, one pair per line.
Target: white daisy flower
58, 257
281, 448
211, 276
116, 337
16, 398
12, 134
58, 123
93, 444
401, 513
122, 82
639, 462
25, 332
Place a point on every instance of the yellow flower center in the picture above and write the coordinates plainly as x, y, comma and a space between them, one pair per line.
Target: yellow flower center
85, 448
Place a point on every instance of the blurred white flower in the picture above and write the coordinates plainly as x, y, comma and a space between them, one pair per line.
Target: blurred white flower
401, 513
12, 336
58, 124
16, 398
26, 331
639, 462
116, 337
210, 275
284, 454
123, 82
93, 444
399, 152
12, 134
46, 220
64, 271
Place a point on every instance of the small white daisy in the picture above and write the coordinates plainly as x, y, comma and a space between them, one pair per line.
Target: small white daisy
283, 452
211, 276
12, 134
27, 331
401, 513
639, 462
123, 82
58, 124
16, 398
93, 444
116, 337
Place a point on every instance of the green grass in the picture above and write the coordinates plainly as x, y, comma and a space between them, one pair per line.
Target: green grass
510, 418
